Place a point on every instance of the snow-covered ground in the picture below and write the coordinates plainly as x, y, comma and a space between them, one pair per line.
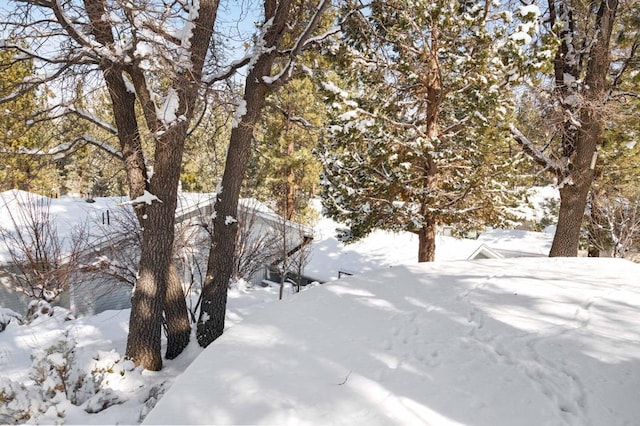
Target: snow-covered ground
99, 342
493, 342
330, 258
501, 341
517, 243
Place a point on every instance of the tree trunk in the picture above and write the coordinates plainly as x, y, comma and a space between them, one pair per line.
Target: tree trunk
427, 242
143, 343
220, 262
583, 142
290, 197
221, 254
565, 241
176, 315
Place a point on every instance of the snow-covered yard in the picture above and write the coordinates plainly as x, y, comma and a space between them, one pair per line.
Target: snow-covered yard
99, 342
492, 342
486, 342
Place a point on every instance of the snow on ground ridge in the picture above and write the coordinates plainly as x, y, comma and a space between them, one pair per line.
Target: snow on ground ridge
493, 342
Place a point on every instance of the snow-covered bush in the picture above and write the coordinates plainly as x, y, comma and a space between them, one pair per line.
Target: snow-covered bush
54, 370
19, 403
43, 309
61, 380
7, 316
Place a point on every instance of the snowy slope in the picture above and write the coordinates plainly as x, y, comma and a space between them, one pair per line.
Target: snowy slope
380, 249
493, 342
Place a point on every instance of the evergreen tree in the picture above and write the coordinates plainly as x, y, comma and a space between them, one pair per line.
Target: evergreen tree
284, 167
592, 47
20, 138
413, 142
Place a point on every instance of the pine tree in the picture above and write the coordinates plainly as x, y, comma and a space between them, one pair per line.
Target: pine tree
19, 136
413, 142
592, 47
284, 167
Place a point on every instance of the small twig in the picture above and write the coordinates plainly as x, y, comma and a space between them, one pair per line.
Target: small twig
346, 378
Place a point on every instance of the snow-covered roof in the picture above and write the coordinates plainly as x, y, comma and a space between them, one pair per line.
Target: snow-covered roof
70, 213
517, 243
525, 341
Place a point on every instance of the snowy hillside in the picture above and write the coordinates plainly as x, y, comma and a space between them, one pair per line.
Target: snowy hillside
493, 342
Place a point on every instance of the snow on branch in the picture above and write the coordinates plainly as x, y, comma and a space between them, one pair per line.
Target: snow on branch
229, 71
78, 35
294, 118
62, 150
146, 198
89, 117
536, 155
298, 46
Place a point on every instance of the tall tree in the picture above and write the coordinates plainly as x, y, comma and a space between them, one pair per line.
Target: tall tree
583, 87
412, 142
153, 54
271, 62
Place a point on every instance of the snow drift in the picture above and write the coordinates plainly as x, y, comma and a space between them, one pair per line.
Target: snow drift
493, 342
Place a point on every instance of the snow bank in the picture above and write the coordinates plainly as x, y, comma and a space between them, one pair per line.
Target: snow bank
493, 342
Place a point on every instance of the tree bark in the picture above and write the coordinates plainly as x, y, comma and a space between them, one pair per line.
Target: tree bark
581, 145
176, 315
220, 262
427, 242
143, 343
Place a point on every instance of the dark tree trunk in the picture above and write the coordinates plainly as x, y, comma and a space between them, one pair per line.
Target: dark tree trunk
221, 255
580, 146
572, 205
143, 343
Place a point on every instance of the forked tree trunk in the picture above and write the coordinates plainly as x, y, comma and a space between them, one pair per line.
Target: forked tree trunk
143, 342
123, 101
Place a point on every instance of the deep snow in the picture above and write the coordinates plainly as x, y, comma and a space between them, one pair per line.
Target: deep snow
106, 333
494, 342
504, 341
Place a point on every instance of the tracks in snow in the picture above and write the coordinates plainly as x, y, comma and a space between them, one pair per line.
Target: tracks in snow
524, 350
